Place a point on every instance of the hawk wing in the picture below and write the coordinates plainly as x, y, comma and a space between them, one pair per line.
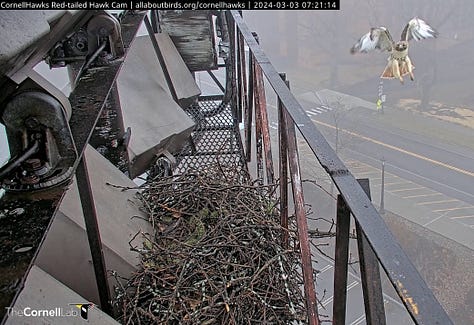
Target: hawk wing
418, 29
378, 38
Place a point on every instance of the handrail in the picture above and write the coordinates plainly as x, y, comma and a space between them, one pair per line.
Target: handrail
418, 299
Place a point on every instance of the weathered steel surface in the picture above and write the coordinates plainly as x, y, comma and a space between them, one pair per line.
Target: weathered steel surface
343, 222
109, 137
410, 286
193, 35
27, 36
283, 167
249, 113
241, 77
370, 273
258, 123
261, 107
301, 221
88, 98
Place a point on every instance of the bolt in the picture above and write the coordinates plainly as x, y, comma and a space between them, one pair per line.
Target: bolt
31, 122
33, 164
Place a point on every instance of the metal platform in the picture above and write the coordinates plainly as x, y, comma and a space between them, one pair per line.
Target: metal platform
215, 139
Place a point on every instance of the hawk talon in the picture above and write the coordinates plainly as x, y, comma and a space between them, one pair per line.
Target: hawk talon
399, 64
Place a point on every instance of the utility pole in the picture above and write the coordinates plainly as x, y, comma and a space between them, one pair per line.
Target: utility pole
382, 189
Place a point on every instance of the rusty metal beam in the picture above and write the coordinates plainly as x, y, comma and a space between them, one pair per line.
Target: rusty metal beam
370, 273
343, 221
302, 225
262, 132
261, 106
109, 137
231, 69
419, 300
283, 167
242, 78
249, 112
258, 121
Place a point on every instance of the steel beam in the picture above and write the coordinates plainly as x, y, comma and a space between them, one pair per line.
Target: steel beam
301, 221
370, 273
283, 167
341, 256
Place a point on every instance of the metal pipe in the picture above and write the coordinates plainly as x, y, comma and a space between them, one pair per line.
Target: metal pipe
14, 163
87, 63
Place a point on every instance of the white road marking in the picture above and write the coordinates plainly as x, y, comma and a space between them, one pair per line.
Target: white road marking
452, 209
330, 299
422, 195
436, 202
463, 217
358, 320
407, 189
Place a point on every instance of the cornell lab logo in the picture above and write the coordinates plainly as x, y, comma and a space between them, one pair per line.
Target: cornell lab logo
84, 309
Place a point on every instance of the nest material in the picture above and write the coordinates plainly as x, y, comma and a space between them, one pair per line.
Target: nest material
216, 256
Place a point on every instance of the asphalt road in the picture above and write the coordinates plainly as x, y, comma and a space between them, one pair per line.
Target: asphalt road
442, 167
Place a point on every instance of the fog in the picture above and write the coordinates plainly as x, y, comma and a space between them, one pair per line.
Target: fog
319, 42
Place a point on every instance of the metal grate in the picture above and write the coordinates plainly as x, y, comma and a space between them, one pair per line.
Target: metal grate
215, 139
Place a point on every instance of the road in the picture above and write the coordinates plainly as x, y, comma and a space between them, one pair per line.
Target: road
428, 175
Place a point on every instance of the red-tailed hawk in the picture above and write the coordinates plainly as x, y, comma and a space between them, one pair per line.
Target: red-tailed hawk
399, 64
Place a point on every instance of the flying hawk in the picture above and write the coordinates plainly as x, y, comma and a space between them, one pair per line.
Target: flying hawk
399, 64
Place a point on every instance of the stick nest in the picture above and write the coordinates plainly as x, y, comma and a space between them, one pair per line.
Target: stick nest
216, 256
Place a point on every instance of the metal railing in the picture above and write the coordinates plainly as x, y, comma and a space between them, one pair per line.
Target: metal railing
376, 244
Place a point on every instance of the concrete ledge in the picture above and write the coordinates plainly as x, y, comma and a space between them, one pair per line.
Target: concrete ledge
65, 253
157, 122
43, 292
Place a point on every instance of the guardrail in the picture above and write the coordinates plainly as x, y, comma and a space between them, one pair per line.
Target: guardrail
375, 241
